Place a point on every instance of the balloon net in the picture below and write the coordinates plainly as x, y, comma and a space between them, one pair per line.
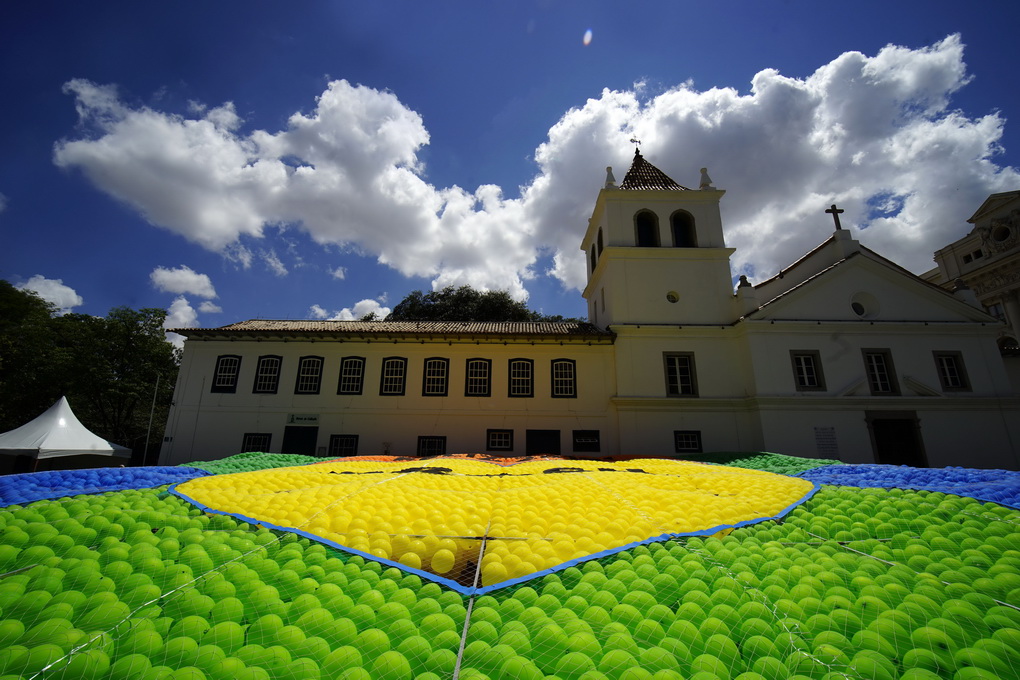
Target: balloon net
850, 583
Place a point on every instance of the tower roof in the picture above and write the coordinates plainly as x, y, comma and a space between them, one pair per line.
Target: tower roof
643, 176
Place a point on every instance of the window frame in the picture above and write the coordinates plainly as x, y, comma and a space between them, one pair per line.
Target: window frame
445, 378
683, 221
679, 392
424, 440
496, 432
696, 434
586, 441
301, 374
959, 366
888, 366
553, 379
335, 439
402, 362
653, 225
356, 360
819, 374
468, 377
510, 381
230, 388
248, 447
258, 375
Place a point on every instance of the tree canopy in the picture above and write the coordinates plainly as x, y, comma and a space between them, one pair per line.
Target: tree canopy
464, 304
107, 367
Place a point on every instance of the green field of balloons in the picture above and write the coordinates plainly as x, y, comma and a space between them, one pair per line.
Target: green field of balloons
873, 584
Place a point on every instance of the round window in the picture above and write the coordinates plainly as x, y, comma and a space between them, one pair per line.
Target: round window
864, 305
1000, 234
672, 296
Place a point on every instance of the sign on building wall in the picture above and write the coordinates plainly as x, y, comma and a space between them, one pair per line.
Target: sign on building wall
825, 442
302, 419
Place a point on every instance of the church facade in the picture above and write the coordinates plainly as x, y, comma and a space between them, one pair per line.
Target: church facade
843, 355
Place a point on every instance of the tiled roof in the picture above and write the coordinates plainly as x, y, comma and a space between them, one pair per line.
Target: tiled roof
643, 175
263, 326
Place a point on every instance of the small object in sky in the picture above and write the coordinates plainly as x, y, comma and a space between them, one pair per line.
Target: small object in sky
587, 37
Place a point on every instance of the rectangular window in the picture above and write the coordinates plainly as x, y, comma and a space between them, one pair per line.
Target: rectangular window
341, 445
996, 309
225, 375
687, 441
479, 378
267, 375
499, 440
586, 441
309, 375
431, 446
257, 442
952, 374
564, 380
807, 370
521, 374
881, 375
434, 379
680, 378
394, 371
352, 375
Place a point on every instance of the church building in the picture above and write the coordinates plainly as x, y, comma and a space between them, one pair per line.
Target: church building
843, 354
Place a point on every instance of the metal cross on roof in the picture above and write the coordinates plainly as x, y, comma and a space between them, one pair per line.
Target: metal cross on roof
834, 211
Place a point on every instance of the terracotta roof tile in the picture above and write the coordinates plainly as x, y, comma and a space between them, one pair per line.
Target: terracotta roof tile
566, 328
643, 175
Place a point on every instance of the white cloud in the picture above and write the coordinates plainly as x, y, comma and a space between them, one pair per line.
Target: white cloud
180, 315
274, 263
338, 273
209, 308
64, 298
360, 309
182, 280
859, 131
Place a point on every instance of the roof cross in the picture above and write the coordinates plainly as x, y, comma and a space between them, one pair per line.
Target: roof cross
834, 211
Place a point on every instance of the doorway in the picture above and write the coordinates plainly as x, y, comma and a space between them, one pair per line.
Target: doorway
542, 442
896, 438
300, 440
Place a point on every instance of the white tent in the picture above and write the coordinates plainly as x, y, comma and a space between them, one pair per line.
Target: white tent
57, 432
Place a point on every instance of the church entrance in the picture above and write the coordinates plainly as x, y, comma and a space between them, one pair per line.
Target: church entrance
300, 440
542, 442
896, 438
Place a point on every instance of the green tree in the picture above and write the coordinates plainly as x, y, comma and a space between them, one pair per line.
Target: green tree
461, 304
107, 367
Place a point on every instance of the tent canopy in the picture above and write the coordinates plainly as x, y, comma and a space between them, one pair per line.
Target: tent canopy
57, 432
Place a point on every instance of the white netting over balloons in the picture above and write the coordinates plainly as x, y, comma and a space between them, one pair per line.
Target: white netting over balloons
852, 583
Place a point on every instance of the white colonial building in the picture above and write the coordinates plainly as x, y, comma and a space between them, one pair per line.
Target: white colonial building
844, 354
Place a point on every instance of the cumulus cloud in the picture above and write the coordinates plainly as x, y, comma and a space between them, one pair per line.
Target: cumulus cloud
338, 273
359, 310
180, 315
64, 298
876, 134
182, 280
209, 308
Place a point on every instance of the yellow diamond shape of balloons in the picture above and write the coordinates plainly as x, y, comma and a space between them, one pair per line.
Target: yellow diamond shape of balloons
477, 524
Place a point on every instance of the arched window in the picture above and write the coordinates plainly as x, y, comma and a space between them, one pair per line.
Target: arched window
646, 229
682, 225
600, 241
594, 260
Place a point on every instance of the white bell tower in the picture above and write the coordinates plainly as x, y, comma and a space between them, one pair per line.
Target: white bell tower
655, 252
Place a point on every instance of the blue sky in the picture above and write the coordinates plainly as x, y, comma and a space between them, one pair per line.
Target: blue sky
233, 160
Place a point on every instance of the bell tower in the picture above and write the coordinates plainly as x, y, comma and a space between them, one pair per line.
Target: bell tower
655, 252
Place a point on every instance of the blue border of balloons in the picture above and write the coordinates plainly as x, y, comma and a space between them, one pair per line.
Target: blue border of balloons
472, 590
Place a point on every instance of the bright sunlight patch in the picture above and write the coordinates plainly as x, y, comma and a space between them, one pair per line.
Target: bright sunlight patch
473, 523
